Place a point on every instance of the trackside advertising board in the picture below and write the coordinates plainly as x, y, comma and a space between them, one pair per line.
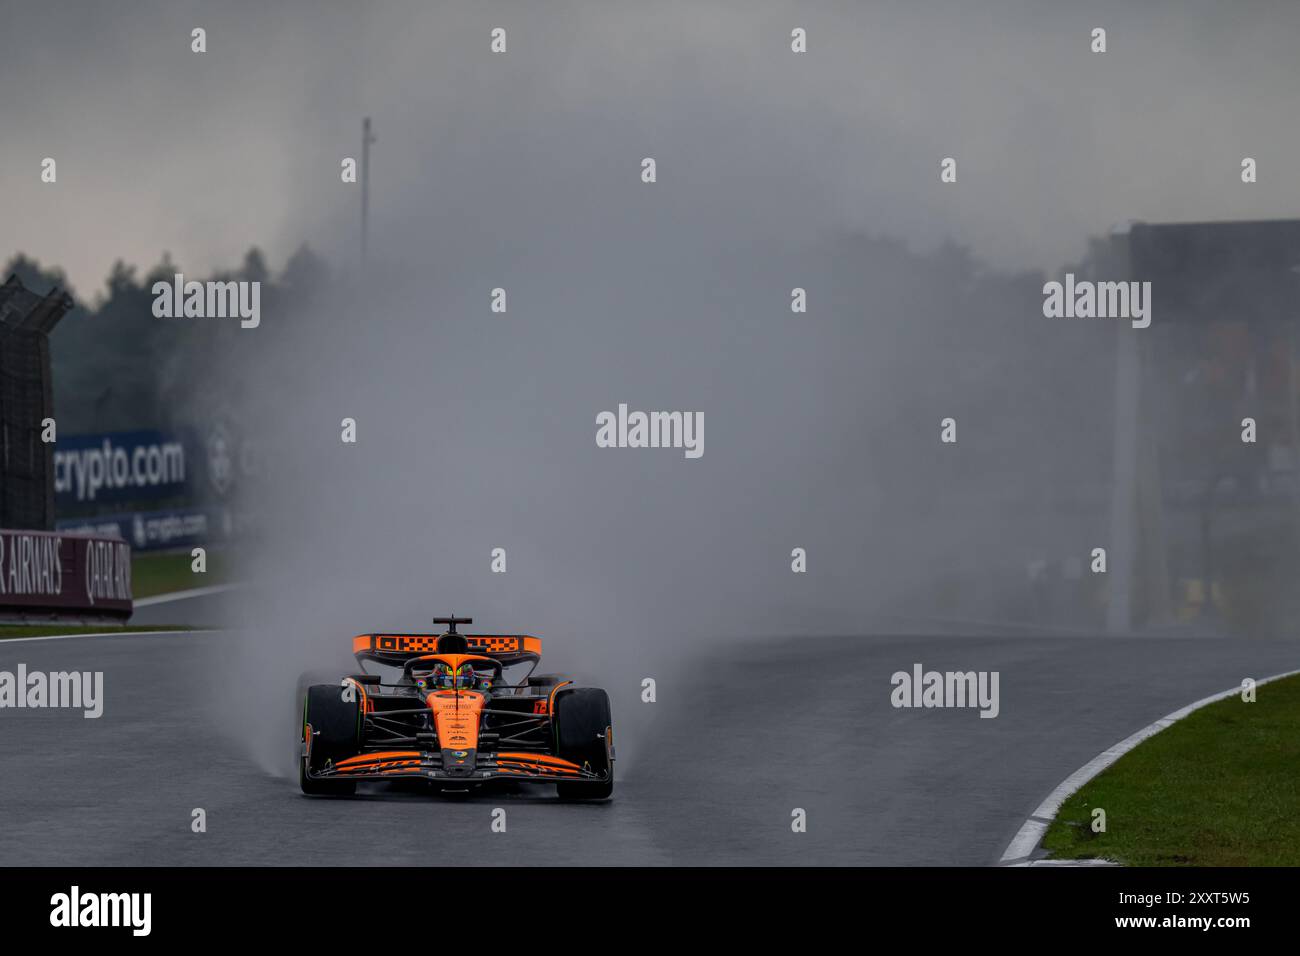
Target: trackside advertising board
122, 466
154, 530
52, 572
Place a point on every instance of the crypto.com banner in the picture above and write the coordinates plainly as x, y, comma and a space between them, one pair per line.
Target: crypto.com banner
121, 466
73, 575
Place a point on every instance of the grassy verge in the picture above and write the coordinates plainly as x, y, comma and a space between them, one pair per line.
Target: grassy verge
1217, 788
163, 573
45, 630
151, 574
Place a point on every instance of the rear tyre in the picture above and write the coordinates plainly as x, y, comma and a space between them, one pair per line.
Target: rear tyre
335, 728
584, 734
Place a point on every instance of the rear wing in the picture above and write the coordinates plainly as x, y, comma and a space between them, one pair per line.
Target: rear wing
399, 648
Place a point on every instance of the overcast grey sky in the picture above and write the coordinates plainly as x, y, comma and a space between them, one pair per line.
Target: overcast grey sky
161, 149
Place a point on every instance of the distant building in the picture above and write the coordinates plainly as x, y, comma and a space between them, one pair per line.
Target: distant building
1195, 505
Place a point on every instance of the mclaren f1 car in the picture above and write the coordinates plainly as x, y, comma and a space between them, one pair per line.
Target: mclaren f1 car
440, 708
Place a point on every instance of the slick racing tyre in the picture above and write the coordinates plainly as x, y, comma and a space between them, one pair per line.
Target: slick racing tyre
335, 728
294, 716
584, 734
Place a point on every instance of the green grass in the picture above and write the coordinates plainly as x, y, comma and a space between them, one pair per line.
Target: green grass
150, 574
1217, 788
44, 630
163, 573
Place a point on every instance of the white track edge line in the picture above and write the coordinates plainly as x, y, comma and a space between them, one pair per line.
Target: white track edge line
183, 595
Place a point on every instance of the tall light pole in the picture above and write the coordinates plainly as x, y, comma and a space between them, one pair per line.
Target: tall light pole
366, 139
1293, 406
1124, 515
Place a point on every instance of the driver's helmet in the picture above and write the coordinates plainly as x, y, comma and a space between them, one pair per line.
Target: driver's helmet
466, 679
442, 677
438, 678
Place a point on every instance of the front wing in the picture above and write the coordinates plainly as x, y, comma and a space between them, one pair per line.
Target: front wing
427, 765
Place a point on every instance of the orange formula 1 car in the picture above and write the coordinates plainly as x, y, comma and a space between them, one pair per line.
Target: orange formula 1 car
441, 711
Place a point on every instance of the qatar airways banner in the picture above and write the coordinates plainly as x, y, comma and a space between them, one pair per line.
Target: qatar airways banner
60, 573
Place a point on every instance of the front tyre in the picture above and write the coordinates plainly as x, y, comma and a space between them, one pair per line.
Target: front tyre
584, 733
331, 730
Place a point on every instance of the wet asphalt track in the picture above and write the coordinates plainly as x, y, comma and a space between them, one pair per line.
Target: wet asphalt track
712, 784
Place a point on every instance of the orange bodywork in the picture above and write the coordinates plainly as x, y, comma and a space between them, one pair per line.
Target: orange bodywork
392, 761
456, 715
380, 756
550, 698
532, 764
454, 661
367, 707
